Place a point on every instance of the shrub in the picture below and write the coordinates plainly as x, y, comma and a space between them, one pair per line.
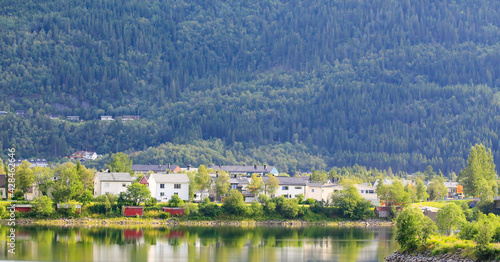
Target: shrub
3, 211
289, 208
413, 228
208, 208
165, 215
42, 206
309, 201
269, 207
153, 214
190, 209
234, 203
18, 195
150, 202
175, 201
256, 210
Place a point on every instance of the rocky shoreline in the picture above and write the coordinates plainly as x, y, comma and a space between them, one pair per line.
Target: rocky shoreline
173, 222
426, 257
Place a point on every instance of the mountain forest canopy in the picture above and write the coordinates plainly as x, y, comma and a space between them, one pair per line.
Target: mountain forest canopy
400, 84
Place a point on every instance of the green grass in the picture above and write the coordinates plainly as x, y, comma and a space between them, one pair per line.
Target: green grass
438, 204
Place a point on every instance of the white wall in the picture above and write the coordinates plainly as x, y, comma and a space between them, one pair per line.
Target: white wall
168, 191
111, 187
291, 192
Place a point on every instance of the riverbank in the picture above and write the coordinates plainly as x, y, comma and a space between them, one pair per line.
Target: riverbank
427, 257
143, 222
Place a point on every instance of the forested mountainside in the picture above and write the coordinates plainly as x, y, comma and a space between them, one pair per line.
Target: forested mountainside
380, 83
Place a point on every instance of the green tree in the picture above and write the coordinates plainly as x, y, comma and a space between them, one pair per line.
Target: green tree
24, 177
44, 179
42, 206
234, 203
318, 176
350, 202
393, 194
421, 190
175, 201
272, 185
67, 184
450, 218
479, 176
413, 228
256, 184
202, 180
137, 193
222, 184
436, 189
120, 163
2, 167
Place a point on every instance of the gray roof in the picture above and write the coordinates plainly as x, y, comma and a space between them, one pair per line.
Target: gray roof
292, 181
244, 169
3, 181
154, 168
170, 178
450, 184
239, 180
118, 177
314, 184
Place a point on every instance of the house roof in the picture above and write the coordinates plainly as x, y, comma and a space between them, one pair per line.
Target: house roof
170, 178
244, 169
450, 184
117, 177
314, 184
294, 181
154, 168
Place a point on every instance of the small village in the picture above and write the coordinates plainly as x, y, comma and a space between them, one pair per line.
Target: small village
167, 182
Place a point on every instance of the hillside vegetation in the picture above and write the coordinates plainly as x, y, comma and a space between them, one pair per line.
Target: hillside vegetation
404, 84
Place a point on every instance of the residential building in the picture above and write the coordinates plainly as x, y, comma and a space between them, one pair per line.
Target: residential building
54, 117
290, 187
20, 112
168, 168
453, 189
130, 118
33, 162
324, 192
247, 170
314, 191
106, 118
112, 183
3, 113
73, 118
164, 186
86, 155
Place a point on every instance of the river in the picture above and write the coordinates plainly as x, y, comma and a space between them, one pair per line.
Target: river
198, 244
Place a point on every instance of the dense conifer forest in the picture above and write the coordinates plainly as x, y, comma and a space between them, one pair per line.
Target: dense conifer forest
400, 84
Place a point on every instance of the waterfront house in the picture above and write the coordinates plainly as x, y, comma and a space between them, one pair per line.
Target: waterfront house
168, 168
111, 183
290, 187
106, 118
164, 186
247, 170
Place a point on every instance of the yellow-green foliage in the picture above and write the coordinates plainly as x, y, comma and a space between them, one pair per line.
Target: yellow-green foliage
438, 204
152, 214
447, 245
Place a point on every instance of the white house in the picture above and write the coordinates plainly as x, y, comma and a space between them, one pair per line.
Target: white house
90, 155
164, 186
112, 183
291, 187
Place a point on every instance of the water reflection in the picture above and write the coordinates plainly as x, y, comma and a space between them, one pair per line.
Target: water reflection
200, 244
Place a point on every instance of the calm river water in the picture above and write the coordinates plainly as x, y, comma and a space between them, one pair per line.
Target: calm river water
200, 244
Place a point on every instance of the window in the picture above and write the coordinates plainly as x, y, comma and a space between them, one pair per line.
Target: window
371, 192
233, 186
162, 193
124, 185
177, 186
312, 190
106, 184
284, 188
298, 187
362, 191
162, 185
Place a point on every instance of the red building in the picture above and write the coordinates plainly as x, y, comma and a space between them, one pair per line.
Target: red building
132, 211
23, 208
174, 211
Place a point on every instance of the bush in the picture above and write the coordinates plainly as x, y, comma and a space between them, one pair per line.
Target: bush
175, 201
190, 209
70, 211
255, 210
270, 207
413, 228
309, 201
209, 209
234, 203
3, 211
42, 206
165, 215
151, 202
289, 208
18, 195
153, 214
